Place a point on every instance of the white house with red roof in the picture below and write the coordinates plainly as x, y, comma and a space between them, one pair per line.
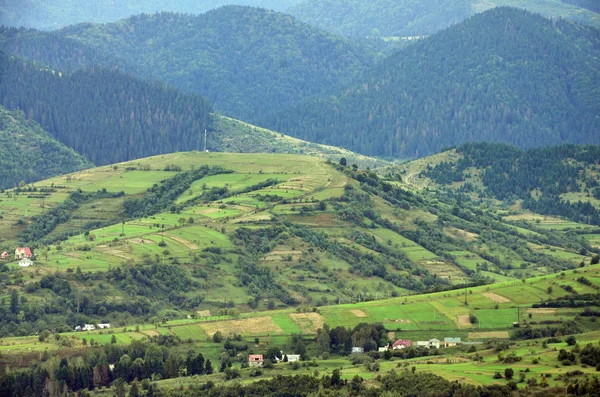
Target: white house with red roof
256, 360
22, 253
401, 344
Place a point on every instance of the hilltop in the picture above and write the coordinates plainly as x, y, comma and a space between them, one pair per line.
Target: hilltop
28, 153
246, 61
505, 75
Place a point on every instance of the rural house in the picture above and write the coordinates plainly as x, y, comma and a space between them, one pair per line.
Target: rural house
25, 262
383, 349
21, 253
292, 358
4, 255
401, 344
358, 350
256, 360
431, 343
449, 342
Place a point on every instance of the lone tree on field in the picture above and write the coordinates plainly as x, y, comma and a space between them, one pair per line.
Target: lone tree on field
343, 162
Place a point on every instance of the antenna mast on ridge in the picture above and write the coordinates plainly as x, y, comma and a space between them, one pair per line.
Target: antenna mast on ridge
205, 142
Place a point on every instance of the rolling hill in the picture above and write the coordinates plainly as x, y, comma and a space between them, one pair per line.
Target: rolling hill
29, 154
188, 229
505, 75
246, 61
403, 18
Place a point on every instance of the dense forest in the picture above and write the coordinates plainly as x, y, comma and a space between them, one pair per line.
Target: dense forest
537, 176
55, 14
28, 153
105, 115
247, 61
505, 75
365, 18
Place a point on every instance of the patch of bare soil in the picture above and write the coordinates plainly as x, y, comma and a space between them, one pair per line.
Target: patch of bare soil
496, 298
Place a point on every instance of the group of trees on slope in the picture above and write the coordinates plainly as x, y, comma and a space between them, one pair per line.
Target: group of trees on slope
105, 115
503, 76
537, 176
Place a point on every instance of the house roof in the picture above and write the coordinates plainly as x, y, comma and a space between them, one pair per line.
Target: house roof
255, 357
401, 342
452, 340
4, 254
436, 340
26, 250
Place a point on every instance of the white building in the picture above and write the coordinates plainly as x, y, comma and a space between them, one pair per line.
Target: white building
103, 326
88, 327
25, 262
358, 350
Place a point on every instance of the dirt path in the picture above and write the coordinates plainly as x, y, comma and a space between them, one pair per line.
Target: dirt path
496, 298
188, 244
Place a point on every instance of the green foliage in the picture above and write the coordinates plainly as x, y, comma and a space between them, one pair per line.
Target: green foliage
436, 93
28, 153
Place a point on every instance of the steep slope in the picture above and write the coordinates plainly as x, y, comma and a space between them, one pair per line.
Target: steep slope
55, 14
29, 154
105, 115
247, 61
417, 17
505, 75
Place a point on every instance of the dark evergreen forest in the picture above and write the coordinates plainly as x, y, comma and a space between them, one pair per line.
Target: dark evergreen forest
503, 76
28, 153
246, 61
105, 115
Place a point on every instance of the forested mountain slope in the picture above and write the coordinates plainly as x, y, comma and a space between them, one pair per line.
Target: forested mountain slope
55, 14
505, 75
28, 153
247, 61
105, 115
418, 17
560, 180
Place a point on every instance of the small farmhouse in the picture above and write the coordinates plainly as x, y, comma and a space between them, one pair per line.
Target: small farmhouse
384, 349
21, 253
449, 342
88, 327
4, 255
430, 344
401, 344
103, 326
25, 262
292, 358
256, 360
358, 350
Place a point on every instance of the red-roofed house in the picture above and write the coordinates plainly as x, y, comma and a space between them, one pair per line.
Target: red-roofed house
401, 344
21, 253
4, 255
256, 360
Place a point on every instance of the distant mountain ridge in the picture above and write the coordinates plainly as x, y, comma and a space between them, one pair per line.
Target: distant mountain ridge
29, 154
247, 61
502, 76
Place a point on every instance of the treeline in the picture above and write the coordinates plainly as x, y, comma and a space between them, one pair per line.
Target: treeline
382, 18
246, 61
105, 115
505, 75
591, 5
28, 153
537, 176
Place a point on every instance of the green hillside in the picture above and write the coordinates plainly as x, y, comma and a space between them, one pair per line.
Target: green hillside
28, 153
262, 230
272, 248
505, 75
246, 61
403, 18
